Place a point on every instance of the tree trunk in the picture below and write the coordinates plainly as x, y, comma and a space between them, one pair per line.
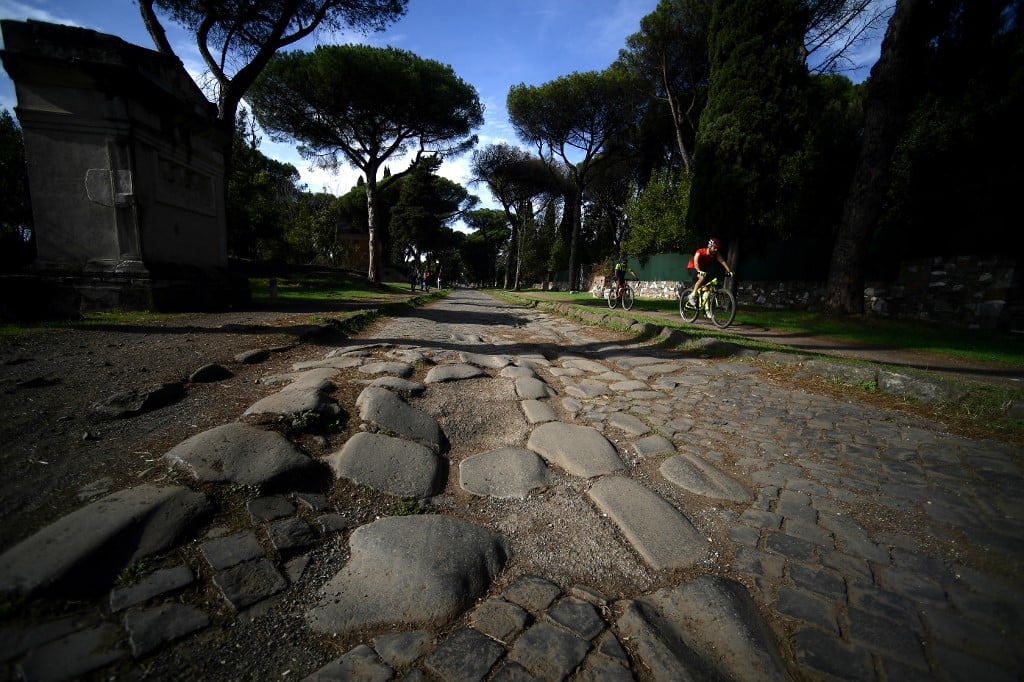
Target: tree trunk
373, 246
891, 96
577, 218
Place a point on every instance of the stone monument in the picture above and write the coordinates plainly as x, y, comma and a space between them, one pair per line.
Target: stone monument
126, 175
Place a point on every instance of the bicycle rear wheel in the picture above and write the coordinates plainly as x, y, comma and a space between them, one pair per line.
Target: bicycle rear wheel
627, 298
613, 298
688, 311
723, 308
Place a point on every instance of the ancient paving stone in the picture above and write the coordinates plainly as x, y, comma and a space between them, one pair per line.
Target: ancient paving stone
250, 582
445, 373
578, 616
263, 509
417, 570
818, 652
387, 411
708, 624
336, 362
591, 366
701, 478
391, 465
549, 652
532, 592
209, 373
141, 521
332, 523
807, 607
151, 628
658, 532
231, 550
579, 450
294, 568
465, 655
505, 472
629, 423
529, 388
239, 453
489, 361
514, 372
398, 369
75, 655
289, 535
252, 357
401, 649
587, 389
360, 663
402, 387
314, 502
156, 583
538, 412
499, 619
630, 385
654, 445
137, 401
16, 640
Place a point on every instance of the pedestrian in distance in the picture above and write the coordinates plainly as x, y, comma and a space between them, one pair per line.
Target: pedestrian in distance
698, 265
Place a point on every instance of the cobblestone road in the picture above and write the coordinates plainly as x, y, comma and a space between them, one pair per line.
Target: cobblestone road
760, 530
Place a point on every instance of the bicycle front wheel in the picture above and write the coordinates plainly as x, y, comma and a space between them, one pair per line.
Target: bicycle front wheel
613, 298
688, 311
627, 298
723, 308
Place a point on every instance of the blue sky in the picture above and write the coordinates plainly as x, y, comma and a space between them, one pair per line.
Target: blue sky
492, 44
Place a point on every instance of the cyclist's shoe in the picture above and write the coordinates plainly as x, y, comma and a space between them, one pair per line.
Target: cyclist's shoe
691, 299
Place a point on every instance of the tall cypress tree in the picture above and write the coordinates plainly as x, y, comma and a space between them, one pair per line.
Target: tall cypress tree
753, 123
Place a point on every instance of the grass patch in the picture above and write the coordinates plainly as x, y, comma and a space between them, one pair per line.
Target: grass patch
324, 288
409, 507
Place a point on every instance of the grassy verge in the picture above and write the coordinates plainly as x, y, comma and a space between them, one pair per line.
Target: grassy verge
970, 344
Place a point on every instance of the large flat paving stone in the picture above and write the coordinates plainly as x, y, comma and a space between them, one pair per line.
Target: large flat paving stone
532, 388
394, 466
388, 411
305, 392
656, 530
505, 472
580, 450
458, 372
86, 549
239, 453
709, 624
417, 571
691, 473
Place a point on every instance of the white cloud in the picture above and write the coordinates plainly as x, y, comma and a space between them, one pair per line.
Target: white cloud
36, 11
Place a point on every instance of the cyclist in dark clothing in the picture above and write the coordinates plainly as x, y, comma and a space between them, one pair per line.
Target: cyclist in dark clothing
620, 276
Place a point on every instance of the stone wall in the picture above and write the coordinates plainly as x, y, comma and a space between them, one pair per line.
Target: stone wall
972, 291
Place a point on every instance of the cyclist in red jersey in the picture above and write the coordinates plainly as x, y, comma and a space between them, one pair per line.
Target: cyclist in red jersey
698, 265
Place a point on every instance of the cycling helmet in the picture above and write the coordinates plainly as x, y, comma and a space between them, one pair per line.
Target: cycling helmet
715, 243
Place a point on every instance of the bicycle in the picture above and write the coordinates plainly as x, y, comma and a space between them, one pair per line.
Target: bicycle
627, 296
717, 303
